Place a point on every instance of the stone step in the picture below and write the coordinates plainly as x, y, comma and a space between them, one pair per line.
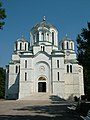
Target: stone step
37, 96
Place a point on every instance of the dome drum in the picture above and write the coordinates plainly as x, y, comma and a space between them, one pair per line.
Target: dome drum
44, 32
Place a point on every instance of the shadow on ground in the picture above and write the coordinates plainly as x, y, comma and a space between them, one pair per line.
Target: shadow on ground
53, 112
44, 112
35, 117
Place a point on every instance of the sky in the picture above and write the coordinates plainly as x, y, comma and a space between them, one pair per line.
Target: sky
69, 17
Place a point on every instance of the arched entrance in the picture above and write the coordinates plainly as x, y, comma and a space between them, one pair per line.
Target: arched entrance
42, 84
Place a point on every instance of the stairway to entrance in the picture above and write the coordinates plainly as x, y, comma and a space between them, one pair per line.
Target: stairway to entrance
37, 96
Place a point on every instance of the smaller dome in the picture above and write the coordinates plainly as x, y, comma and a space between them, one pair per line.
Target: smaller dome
67, 43
22, 39
66, 38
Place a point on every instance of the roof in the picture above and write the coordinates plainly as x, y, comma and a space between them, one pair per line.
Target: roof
43, 24
22, 39
66, 38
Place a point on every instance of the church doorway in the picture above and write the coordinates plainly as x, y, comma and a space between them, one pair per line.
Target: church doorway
41, 86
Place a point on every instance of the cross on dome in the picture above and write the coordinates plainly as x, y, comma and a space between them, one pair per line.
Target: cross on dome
66, 35
44, 18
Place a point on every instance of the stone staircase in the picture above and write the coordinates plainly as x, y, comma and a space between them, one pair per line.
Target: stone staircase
37, 96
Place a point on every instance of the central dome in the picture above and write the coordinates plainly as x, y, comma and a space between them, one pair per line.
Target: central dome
43, 24
45, 33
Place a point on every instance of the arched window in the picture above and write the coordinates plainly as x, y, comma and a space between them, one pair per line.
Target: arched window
62, 46
25, 46
70, 68
16, 68
47, 37
67, 46
58, 75
41, 48
72, 46
42, 36
57, 63
25, 63
20, 46
52, 38
67, 68
25, 76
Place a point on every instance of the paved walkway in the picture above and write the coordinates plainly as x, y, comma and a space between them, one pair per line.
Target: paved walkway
35, 110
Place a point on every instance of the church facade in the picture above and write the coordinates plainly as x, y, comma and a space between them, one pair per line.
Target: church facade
44, 65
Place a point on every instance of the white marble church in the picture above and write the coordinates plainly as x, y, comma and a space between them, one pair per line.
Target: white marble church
44, 66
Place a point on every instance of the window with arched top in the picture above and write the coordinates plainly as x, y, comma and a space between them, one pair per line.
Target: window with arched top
57, 63
52, 38
41, 48
71, 45
25, 76
58, 76
47, 37
20, 46
42, 36
67, 45
67, 68
25, 63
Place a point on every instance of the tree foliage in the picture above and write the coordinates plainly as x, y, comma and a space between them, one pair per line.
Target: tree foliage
2, 83
83, 45
2, 16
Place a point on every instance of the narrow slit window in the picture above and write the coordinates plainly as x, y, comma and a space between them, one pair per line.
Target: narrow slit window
47, 37
52, 38
67, 68
25, 76
20, 46
25, 63
42, 36
57, 63
67, 46
71, 46
41, 48
58, 76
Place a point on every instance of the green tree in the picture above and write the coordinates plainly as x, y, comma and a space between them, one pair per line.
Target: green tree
83, 55
2, 83
2, 16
